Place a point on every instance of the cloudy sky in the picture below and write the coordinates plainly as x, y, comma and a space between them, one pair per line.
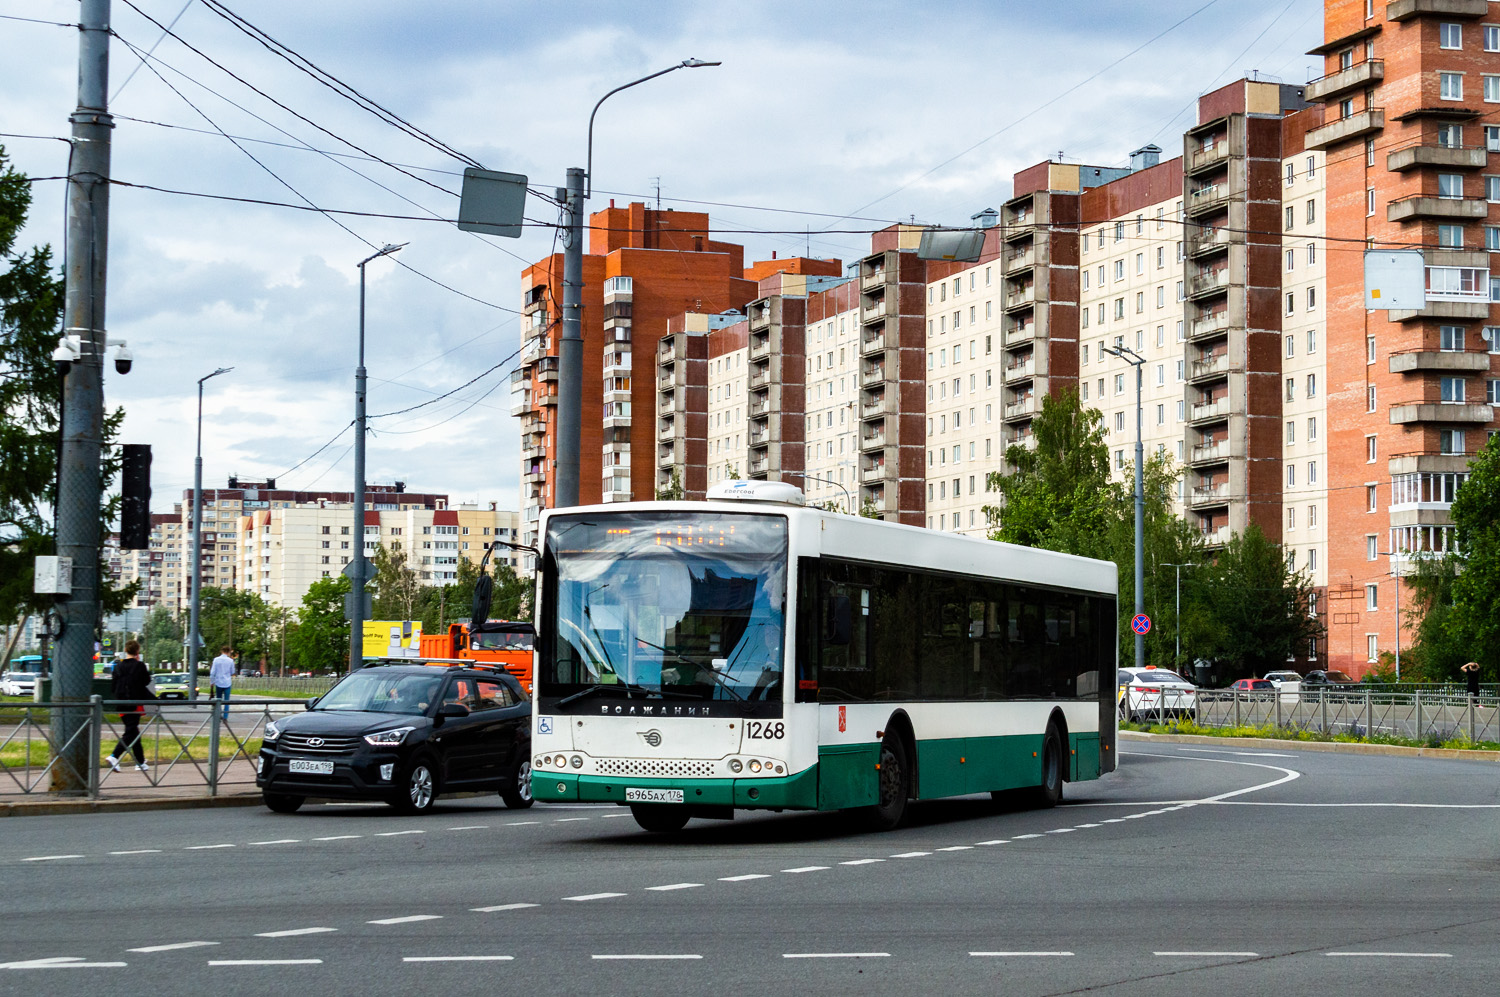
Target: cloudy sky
877, 110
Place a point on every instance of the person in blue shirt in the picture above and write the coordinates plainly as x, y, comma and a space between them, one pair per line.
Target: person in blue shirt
221, 676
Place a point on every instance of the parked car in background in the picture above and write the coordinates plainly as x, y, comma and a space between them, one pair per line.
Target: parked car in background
1154, 693
1281, 679
1253, 685
170, 685
18, 684
1321, 678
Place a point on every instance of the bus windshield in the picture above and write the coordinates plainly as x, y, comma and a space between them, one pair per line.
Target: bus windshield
676, 606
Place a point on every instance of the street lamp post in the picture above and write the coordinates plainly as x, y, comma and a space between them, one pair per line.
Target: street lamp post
570, 340
1177, 612
1138, 362
357, 589
196, 584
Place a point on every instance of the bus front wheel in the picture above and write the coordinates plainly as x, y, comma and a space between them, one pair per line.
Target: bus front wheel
660, 817
894, 785
1050, 792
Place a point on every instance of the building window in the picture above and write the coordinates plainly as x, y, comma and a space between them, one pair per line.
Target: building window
1451, 338
1369, 200
1291, 217
1492, 237
1369, 498
1491, 88
1452, 388
1369, 449
1312, 212
1291, 432
1291, 173
1371, 548
1291, 302
1312, 298
1451, 236
1312, 428
1451, 441
1450, 136
1450, 185
1372, 597
1450, 35
1291, 260
1291, 389
1451, 86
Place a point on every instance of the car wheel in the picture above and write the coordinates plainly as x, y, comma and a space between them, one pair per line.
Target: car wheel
1050, 791
518, 796
894, 786
660, 818
283, 803
418, 789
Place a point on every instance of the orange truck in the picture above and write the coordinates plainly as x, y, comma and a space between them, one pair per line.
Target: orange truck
500, 642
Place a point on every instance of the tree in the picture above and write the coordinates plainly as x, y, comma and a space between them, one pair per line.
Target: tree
1256, 606
674, 492
397, 590
1474, 621
1057, 493
240, 619
320, 642
1438, 648
511, 599
161, 636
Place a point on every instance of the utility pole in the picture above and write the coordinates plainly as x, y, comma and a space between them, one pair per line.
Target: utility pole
1138, 362
570, 348
78, 480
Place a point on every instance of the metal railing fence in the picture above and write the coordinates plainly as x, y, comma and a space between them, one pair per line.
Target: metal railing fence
187, 746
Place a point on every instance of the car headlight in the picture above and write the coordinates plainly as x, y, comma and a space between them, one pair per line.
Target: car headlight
271, 732
388, 738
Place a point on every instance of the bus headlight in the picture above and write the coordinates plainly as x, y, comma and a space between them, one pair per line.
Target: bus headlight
754, 765
735, 765
577, 762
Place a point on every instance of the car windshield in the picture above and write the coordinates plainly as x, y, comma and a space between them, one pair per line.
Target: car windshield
1336, 676
171, 678
1161, 675
374, 690
680, 606
501, 642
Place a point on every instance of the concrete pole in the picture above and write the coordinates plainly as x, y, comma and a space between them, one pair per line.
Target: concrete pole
1140, 520
570, 351
357, 600
79, 484
195, 575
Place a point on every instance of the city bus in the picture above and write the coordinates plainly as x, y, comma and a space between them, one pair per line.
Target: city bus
748, 652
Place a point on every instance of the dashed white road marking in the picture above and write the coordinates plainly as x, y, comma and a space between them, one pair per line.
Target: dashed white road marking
957, 848
1023, 837
139, 851
61, 962
743, 879
50, 858
1081, 826
1062, 830
408, 919
1394, 955
340, 837
470, 827
457, 958
995, 841
858, 862
265, 962
807, 868
522, 823
394, 834
673, 886
499, 907
835, 955
1210, 955
173, 947
643, 956
910, 855
569, 820
293, 932
204, 848
279, 841
608, 816
1012, 955
595, 896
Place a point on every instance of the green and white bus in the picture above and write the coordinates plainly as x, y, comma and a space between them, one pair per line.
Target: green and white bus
695, 658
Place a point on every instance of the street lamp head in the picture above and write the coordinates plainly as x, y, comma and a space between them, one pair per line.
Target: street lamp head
221, 370
385, 250
697, 63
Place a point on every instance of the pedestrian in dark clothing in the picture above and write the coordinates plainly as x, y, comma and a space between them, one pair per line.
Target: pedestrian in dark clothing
1471, 672
132, 680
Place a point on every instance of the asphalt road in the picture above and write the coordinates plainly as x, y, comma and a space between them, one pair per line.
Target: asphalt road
1191, 870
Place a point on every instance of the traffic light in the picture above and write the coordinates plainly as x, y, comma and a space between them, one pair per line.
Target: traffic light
135, 497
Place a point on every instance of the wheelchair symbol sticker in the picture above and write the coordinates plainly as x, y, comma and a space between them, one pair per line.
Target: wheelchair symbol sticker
544, 725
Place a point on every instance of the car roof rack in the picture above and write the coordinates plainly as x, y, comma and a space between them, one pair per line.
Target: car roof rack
448, 663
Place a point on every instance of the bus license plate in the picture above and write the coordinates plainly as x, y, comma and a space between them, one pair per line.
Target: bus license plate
653, 795
309, 766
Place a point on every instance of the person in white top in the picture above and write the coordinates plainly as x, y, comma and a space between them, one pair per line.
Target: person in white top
221, 676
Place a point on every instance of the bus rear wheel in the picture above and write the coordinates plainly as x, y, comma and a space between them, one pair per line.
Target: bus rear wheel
894, 786
1050, 792
660, 818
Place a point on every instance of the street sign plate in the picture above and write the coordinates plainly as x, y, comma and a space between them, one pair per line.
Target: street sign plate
1141, 623
1395, 279
492, 203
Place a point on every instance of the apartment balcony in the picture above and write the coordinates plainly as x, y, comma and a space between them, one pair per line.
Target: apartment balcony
872, 473
1022, 438
875, 278
759, 438
1357, 77
873, 341
1024, 408
1209, 411
1218, 537
873, 314
758, 465
1471, 311
1207, 368
534, 474
1209, 495
874, 408
872, 438
1447, 412
1357, 125
760, 406
1019, 259
666, 429
546, 397
1208, 198
547, 370
616, 362
872, 375
1208, 240
534, 426
1021, 369
760, 316
666, 351
666, 382
530, 350
1212, 324
760, 346
1021, 299
1418, 361
1423, 206
1405, 10
1207, 282
1020, 336
1209, 156
520, 402
760, 376
1448, 157
1209, 453
533, 451
616, 415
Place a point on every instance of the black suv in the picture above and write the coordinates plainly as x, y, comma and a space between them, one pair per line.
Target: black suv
402, 734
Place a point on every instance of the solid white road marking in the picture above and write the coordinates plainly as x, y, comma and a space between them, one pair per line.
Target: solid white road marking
408, 919
293, 932
859, 862
265, 962
173, 947
807, 868
639, 956
279, 841
457, 958
393, 834
910, 855
201, 848
491, 910
595, 896
673, 886
1007, 955
340, 837
1395, 955
139, 851
50, 858
835, 955
1211, 955
1248, 754
744, 878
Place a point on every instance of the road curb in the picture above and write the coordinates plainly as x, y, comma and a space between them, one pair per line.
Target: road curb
47, 808
1337, 747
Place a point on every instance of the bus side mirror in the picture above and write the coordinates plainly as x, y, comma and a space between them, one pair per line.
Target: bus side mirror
840, 620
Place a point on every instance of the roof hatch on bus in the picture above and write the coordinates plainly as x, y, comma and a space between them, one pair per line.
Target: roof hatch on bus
744, 490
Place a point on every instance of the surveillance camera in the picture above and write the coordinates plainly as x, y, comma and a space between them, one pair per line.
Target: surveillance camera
123, 358
62, 358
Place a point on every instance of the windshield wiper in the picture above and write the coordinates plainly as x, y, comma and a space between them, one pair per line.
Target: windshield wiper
719, 677
629, 687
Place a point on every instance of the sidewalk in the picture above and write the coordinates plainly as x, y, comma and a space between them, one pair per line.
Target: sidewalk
182, 786
1338, 747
